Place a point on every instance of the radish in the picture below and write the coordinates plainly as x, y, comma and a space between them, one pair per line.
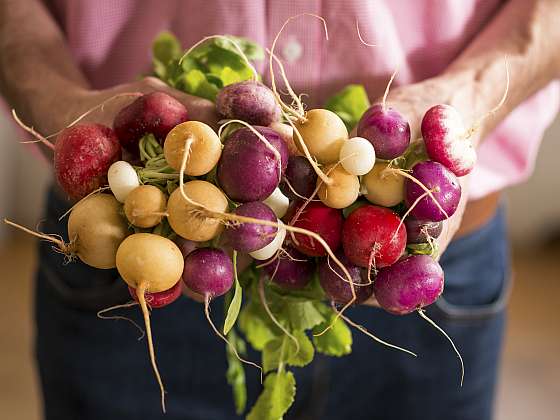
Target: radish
386, 129
412, 284
382, 186
208, 272
324, 221
145, 206
250, 101
82, 156
342, 189
337, 288
96, 230
300, 178
159, 299
421, 231
203, 144
290, 269
357, 156
286, 131
122, 179
322, 133
156, 113
447, 140
249, 237
186, 221
278, 202
150, 264
269, 250
248, 169
370, 238
444, 187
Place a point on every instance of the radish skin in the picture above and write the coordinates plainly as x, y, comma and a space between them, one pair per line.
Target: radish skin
269, 250
357, 156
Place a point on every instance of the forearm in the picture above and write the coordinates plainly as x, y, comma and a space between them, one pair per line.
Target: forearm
528, 33
37, 72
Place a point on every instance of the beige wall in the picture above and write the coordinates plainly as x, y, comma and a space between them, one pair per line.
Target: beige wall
534, 207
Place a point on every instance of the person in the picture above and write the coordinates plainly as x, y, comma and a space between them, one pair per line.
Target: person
60, 58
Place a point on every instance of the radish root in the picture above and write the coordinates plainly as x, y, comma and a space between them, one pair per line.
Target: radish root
422, 313
262, 297
360, 36
68, 249
31, 130
140, 293
99, 190
369, 334
101, 315
219, 334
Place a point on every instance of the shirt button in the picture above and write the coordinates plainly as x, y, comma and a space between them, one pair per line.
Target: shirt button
292, 50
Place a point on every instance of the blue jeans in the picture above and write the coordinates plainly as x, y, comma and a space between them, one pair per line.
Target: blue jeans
97, 369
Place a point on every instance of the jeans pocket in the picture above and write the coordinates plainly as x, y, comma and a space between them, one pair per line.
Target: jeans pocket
477, 271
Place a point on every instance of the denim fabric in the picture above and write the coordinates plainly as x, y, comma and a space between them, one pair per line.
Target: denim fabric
97, 369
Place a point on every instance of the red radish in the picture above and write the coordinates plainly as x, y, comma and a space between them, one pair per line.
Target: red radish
447, 140
248, 169
420, 231
249, 237
324, 221
444, 187
386, 129
370, 237
250, 101
291, 269
82, 156
337, 287
156, 113
300, 176
159, 299
208, 272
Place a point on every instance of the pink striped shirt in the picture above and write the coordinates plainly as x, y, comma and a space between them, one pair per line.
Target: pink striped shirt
111, 42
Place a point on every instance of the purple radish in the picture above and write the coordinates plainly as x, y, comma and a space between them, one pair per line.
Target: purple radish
290, 270
336, 285
301, 176
156, 113
250, 101
208, 272
447, 141
249, 237
248, 169
418, 231
410, 284
444, 187
386, 129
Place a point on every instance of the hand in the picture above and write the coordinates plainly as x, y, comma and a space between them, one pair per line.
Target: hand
51, 118
412, 102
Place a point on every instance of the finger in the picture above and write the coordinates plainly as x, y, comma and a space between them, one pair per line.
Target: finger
372, 301
192, 295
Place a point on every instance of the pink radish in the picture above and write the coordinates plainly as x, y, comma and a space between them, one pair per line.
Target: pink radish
447, 140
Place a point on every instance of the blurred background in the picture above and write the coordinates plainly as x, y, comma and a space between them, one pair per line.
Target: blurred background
530, 374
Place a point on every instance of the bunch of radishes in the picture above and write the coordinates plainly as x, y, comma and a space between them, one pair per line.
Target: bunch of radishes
326, 217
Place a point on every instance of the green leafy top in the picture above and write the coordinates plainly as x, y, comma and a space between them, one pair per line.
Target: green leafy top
209, 67
349, 104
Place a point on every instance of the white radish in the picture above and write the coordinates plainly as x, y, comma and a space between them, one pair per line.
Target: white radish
357, 156
269, 250
122, 179
278, 202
